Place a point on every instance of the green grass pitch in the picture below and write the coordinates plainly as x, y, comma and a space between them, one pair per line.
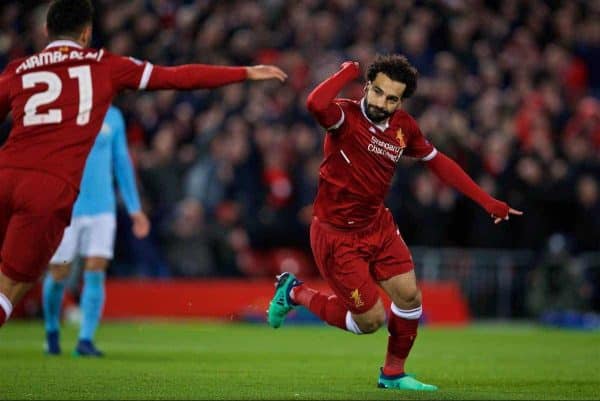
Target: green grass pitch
204, 360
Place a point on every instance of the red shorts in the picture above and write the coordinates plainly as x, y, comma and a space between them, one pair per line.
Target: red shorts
35, 209
352, 262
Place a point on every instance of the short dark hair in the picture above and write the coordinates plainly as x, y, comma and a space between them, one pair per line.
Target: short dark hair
68, 17
396, 67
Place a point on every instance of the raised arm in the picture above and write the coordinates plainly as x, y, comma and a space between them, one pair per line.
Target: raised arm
452, 174
320, 101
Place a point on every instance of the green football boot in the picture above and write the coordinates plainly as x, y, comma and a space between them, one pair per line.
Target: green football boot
403, 382
281, 304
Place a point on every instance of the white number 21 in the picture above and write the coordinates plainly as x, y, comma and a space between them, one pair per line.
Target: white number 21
53, 116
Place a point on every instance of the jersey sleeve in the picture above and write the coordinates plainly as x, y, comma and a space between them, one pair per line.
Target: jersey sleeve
417, 145
129, 73
4, 96
336, 116
123, 167
321, 102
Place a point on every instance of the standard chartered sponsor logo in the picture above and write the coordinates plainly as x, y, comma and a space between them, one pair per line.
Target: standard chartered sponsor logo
385, 145
379, 147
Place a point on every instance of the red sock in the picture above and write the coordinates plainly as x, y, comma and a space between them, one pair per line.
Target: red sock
403, 332
2, 317
327, 308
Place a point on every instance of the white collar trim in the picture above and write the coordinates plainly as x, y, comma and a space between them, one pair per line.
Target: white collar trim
58, 43
381, 126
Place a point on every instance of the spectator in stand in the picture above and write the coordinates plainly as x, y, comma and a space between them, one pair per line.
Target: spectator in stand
508, 89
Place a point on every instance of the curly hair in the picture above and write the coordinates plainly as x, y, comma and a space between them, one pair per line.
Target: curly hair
398, 68
68, 17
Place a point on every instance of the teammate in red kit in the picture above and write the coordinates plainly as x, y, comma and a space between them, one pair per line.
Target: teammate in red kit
355, 241
58, 99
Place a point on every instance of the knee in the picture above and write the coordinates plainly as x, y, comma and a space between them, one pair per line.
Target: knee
409, 298
96, 264
59, 272
372, 323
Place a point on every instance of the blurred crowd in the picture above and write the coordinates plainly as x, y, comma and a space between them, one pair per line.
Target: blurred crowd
509, 89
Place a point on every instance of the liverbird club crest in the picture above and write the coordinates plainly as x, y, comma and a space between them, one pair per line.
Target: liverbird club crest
400, 138
356, 297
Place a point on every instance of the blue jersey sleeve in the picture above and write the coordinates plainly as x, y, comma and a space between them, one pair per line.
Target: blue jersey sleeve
123, 168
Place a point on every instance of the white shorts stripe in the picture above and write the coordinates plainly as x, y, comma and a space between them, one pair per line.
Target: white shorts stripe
351, 324
6, 305
146, 75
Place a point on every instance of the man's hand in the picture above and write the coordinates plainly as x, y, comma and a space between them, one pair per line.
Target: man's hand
262, 72
141, 225
499, 210
351, 65
507, 216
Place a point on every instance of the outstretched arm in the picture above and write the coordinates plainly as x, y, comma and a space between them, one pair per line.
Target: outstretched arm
320, 101
4, 97
449, 172
130, 73
196, 76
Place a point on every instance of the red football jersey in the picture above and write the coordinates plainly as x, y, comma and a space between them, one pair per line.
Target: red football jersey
58, 99
359, 163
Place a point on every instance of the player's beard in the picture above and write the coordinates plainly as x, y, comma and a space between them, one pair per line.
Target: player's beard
377, 114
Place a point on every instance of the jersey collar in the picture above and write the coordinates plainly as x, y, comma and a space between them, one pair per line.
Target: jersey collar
65, 42
381, 126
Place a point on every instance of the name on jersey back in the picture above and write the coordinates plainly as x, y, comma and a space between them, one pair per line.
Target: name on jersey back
57, 56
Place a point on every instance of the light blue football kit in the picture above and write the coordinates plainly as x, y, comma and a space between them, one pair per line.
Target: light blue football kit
93, 225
